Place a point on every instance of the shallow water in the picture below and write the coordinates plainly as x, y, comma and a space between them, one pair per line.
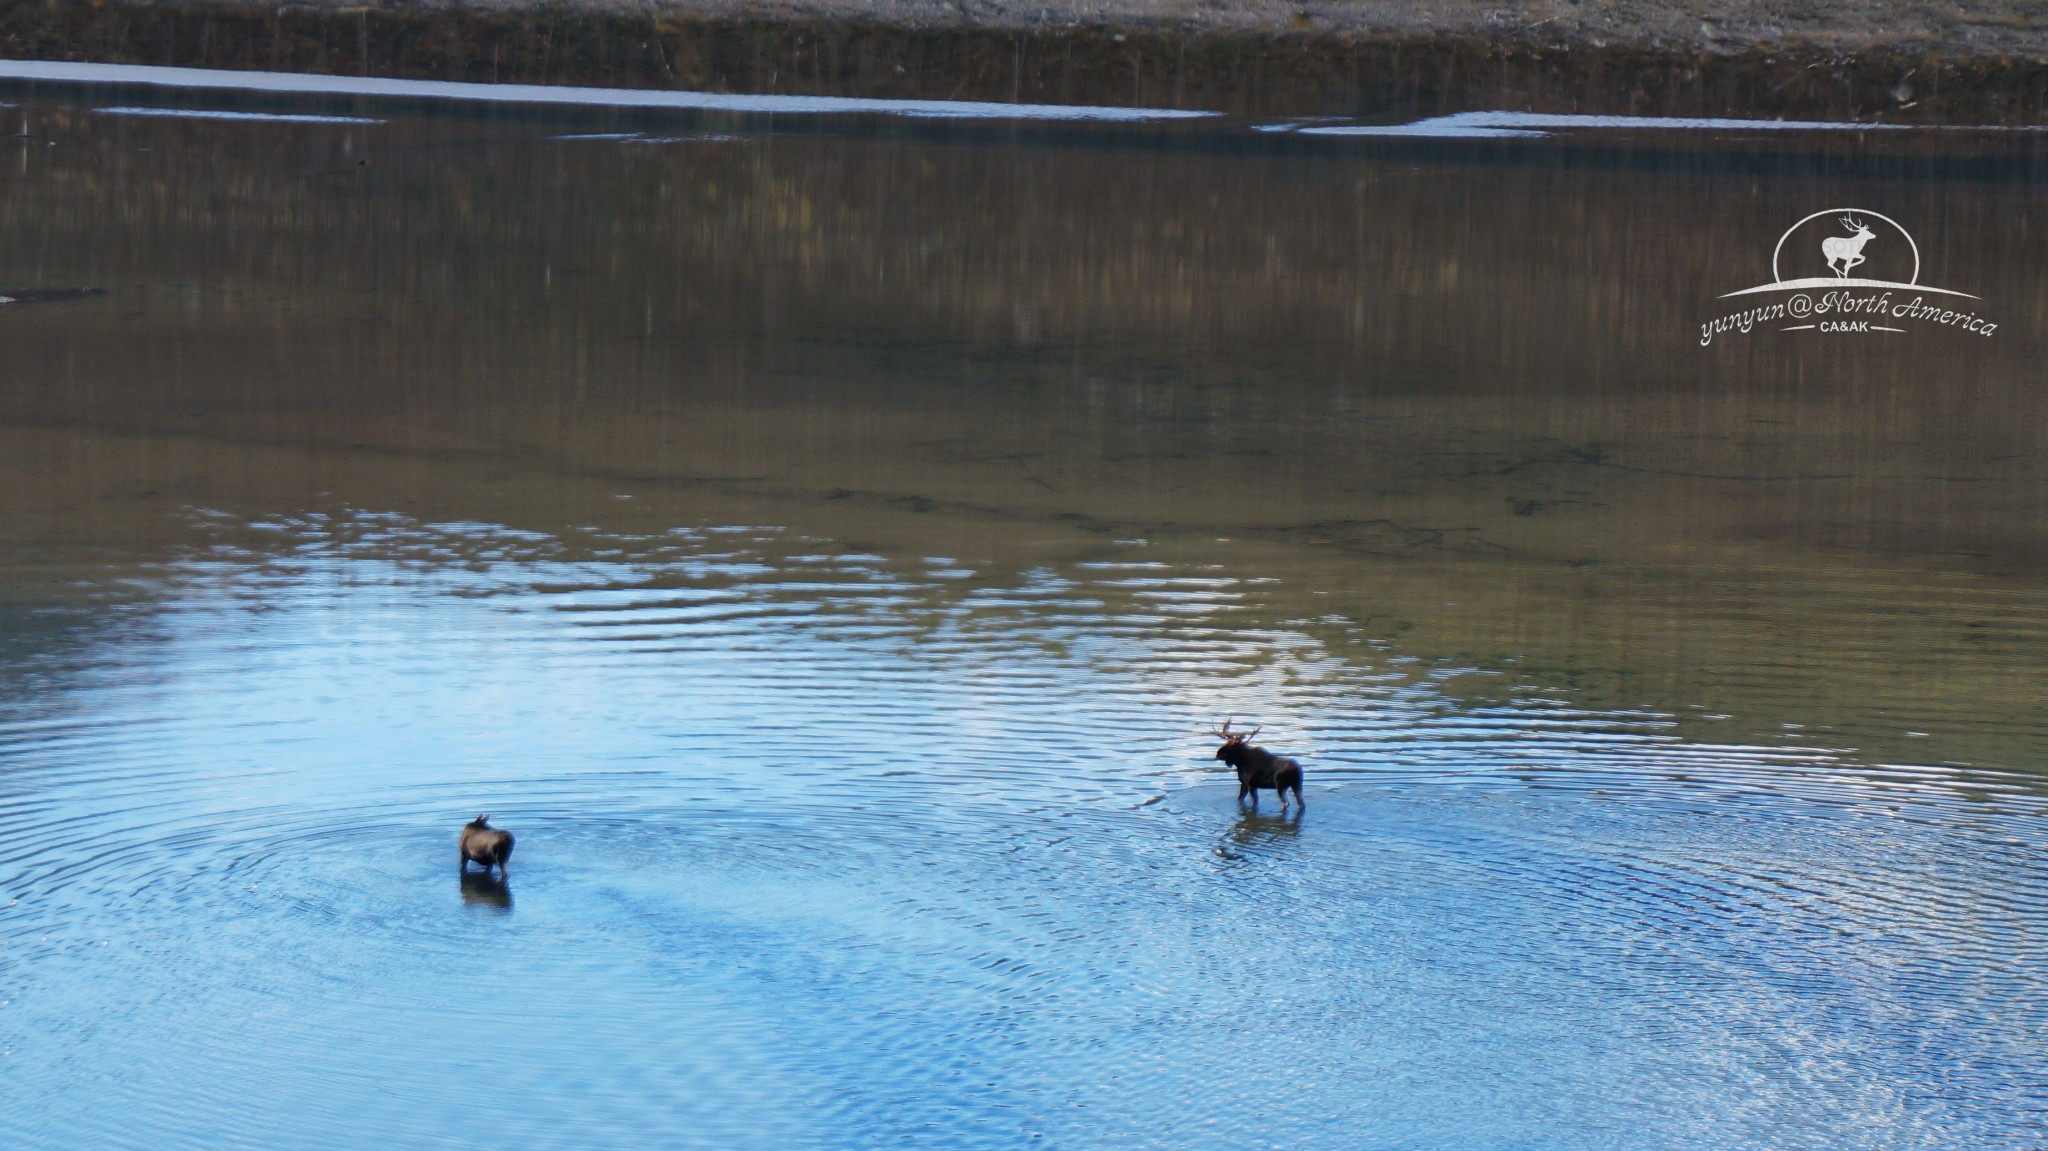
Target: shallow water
827, 551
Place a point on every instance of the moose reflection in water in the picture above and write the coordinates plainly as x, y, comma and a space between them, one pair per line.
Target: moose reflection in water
483, 889
1256, 829
1256, 767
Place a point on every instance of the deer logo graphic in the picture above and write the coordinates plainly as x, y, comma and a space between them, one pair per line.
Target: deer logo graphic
1846, 299
1848, 249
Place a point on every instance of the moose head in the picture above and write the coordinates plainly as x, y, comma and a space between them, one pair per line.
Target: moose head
1230, 740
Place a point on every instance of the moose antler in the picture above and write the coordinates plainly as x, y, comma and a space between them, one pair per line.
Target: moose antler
1240, 737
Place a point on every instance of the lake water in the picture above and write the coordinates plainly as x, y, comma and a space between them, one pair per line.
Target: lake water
828, 543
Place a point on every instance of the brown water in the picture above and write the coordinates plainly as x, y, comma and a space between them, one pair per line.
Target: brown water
828, 550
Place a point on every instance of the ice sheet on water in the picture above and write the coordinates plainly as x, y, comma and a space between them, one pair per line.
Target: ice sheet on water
209, 114
1508, 125
298, 84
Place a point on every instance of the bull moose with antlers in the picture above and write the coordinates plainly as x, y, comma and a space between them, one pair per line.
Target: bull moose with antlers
1256, 767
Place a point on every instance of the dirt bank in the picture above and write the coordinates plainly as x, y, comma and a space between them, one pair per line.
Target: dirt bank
1916, 61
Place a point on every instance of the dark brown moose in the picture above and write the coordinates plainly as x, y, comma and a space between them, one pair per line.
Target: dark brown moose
485, 845
1257, 768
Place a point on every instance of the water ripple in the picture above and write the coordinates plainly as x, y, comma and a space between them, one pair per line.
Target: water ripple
827, 850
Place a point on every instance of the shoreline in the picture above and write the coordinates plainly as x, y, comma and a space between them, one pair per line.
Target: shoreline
1257, 60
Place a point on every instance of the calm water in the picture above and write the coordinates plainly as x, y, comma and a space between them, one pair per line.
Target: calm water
828, 551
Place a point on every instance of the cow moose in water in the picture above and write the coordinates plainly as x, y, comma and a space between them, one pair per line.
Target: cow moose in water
485, 845
1256, 768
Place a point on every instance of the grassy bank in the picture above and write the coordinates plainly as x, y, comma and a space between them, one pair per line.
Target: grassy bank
1918, 64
